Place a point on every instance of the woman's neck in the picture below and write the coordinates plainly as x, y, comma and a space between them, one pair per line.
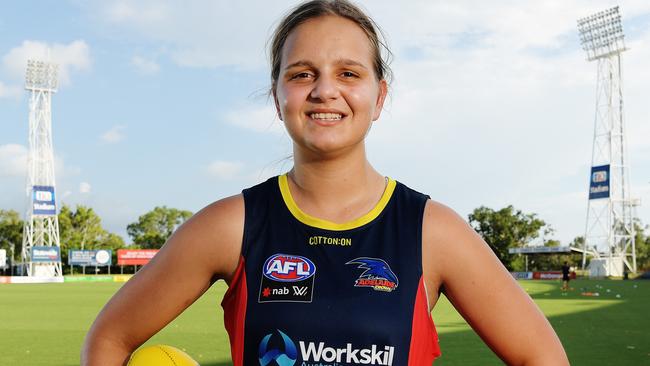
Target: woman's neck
337, 189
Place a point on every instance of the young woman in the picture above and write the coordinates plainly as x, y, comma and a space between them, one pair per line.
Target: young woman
332, 262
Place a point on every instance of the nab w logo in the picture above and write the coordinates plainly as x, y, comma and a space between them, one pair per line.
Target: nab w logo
299, 291
268, 356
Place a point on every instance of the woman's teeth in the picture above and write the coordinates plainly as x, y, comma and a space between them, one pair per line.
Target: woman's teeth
326, 116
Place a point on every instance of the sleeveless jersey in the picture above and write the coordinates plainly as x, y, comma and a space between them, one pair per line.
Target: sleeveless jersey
309, 292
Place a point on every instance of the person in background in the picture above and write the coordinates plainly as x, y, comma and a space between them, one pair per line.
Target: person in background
566, 270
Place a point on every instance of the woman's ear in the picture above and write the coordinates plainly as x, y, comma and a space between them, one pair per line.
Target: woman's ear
277, 104
381, 97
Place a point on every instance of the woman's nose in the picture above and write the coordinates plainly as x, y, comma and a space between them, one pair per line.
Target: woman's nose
324, 88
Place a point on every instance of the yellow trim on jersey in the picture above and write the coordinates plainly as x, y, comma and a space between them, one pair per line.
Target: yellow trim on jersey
328, 225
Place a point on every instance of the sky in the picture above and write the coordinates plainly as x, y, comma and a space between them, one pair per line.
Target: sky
165, 103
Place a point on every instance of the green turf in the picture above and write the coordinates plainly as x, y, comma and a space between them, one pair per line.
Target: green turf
44, 324
603, 330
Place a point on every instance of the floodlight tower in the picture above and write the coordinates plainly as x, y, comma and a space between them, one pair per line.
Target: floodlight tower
41, 247
609, 229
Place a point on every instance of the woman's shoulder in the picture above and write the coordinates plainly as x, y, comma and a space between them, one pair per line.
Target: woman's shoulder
442, 225
216, 233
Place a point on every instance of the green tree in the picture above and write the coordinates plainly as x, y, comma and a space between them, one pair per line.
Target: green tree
153, 228
82, 229
642, 244
507, 228
11, 233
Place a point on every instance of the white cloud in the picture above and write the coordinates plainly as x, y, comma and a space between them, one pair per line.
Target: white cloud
13, 160
144, 66
84, 187
225, 170
9, 91
69, 57
198, 33
114, 135
120, 11
62, 170
13, 163
129, 11
255, 118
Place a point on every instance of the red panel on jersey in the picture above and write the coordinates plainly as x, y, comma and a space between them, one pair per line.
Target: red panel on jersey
424, 346
234, 313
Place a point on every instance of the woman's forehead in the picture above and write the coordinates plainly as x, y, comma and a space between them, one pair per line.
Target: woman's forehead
330, 39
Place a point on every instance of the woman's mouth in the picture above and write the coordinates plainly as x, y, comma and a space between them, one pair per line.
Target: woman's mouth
326, 117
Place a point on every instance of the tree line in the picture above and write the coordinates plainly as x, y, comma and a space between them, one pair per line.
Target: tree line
503, 229
81, 228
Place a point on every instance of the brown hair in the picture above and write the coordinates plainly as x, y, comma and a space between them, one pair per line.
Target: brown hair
318, 8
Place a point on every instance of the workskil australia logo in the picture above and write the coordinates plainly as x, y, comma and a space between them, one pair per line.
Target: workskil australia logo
312, 352
281, 358
376, 275
287, 278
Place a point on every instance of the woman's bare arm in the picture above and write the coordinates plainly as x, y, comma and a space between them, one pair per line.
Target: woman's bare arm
202, 250
484, 293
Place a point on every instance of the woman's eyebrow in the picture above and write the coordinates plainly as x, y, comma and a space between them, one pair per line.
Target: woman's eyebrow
300, 63
349, 62
341, 61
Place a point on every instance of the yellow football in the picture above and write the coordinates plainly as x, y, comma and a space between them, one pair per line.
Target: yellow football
160, 355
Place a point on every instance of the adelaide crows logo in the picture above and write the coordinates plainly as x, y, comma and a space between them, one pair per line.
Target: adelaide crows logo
268, 356
377, 274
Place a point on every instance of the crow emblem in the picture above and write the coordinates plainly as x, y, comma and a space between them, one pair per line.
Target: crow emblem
377, 274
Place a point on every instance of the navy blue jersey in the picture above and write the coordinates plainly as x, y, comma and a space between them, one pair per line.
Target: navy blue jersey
311, 292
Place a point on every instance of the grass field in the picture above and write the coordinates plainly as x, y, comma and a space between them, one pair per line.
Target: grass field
44, 324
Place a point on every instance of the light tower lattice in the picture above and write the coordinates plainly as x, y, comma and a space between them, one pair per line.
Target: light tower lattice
41, 246
609, 231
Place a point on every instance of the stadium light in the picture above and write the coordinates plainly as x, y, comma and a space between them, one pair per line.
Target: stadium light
41, 75
41, 239
609, 228
601, 34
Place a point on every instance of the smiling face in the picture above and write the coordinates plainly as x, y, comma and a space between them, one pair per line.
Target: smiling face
327, 92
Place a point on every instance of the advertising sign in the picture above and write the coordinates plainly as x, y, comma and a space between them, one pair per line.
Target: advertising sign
522, 275
599, 182
539, 249
44, 200
551, 275
46, 254
98, 257
137, 257
3, 258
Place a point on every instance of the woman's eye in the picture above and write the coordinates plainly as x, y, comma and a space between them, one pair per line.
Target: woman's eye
348, 74
301, 75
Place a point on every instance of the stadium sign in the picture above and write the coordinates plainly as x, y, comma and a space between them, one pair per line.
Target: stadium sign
135, 257
46, 254
539, 249
43, 200
599, 182
98, 258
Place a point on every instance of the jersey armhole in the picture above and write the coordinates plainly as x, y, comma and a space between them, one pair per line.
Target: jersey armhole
418, 248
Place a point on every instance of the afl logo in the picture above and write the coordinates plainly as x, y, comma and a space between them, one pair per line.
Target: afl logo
288, 268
